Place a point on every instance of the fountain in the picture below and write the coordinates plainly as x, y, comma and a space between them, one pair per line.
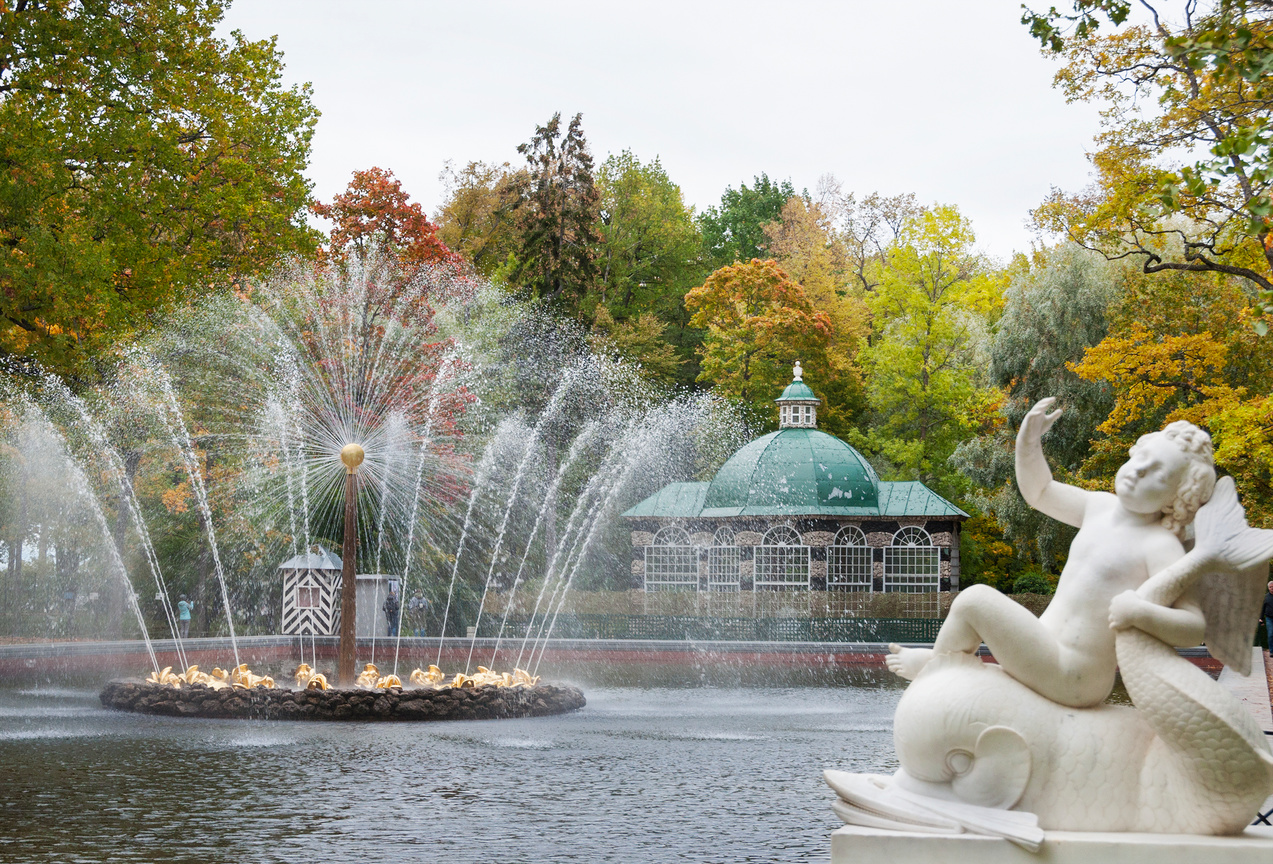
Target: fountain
447, 406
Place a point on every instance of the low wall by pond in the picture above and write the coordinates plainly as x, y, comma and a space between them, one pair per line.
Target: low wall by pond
91, 663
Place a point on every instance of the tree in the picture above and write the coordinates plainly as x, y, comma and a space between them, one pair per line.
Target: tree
649, 254
1201, 85
476, 215
146, 161
807, 246
556, 258
1055, 309
758, 322
1182, 348
736, 230
639, 339
374, 211
931, 315
866, 228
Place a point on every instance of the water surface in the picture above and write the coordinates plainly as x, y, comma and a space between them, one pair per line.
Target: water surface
642, 774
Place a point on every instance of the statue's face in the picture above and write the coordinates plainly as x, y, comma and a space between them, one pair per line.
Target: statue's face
1149, 480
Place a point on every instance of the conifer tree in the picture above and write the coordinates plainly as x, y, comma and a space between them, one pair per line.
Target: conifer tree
556, 258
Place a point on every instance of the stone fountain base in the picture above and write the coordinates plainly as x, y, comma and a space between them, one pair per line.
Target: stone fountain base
478, 703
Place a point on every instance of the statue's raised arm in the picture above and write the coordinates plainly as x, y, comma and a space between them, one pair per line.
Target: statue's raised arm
1060, 501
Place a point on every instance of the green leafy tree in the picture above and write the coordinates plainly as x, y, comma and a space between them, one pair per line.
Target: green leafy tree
648, 257
556, 256
640, 339
758, 322
145, 161
735, 231
649, 254
924, 377
1055, 309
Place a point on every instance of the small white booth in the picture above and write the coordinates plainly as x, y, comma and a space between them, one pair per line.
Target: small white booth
311, 593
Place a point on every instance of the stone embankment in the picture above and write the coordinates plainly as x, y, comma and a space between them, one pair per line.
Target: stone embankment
478, 703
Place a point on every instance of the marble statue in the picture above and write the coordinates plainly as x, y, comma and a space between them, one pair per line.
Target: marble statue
1028, 745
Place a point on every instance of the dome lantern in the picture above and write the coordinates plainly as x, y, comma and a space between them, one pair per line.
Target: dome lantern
797, 406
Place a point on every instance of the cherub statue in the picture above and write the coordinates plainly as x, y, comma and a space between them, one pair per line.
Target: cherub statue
1014, 749
1067, 653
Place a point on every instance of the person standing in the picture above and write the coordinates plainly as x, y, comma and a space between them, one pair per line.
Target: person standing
184, 608
1268, 616
391, 609
418, 606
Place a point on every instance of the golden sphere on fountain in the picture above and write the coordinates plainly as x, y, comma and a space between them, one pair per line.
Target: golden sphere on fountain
352, 456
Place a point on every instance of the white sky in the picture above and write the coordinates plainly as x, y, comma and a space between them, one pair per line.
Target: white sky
949, 100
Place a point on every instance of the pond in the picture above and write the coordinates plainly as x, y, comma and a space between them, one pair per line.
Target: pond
726, 773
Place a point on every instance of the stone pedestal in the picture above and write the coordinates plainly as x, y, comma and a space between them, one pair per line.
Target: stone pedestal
855, 845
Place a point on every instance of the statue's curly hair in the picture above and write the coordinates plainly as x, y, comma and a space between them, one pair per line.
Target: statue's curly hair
1200, 477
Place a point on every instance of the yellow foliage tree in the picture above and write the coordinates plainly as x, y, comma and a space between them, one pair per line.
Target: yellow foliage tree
1194, 359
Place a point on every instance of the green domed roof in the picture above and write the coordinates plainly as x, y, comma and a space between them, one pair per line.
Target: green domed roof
797, 390
793, 471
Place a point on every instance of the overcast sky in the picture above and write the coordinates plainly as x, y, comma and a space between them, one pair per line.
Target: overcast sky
950, 100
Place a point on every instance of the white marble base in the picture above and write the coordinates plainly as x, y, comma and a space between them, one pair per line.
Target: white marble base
856, 845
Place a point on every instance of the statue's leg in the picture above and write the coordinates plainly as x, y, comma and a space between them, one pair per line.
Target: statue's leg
1025, 649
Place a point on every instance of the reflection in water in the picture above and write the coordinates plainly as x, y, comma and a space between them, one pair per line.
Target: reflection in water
653, 774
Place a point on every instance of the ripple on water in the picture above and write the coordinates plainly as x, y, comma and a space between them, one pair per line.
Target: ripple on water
522, 743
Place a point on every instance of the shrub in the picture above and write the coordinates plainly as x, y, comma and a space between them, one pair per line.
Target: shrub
1032, 583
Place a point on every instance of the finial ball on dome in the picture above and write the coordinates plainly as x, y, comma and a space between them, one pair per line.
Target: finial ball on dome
797, 373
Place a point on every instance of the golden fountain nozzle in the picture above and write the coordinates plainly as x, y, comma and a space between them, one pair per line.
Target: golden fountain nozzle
352, 455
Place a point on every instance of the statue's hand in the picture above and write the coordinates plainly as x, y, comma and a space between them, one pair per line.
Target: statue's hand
1037, 421
1125, 610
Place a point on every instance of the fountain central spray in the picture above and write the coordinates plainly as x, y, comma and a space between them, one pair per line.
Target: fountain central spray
352, 455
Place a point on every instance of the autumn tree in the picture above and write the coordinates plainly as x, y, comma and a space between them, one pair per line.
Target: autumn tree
925, 384
759, 323
1181, 347
556, 255
1184, 176
476, 217
865, 226
806, 244
372, 212
735, 231
146, 161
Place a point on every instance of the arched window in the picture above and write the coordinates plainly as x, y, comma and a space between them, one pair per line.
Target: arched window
912, 564
849, 561
782, 560
850, 535
672, 535
912, 536
671, 562
782, 535
722, 562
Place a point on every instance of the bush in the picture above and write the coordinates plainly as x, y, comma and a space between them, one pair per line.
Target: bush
1032, 583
